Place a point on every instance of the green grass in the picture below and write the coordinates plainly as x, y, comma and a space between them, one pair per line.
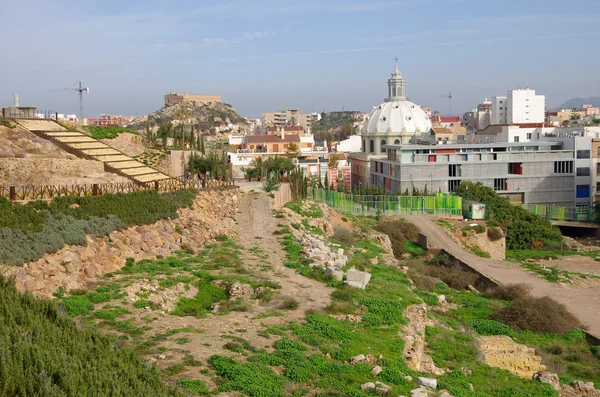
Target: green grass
523, 255
410, 247
99, 132
195, 387
313, 212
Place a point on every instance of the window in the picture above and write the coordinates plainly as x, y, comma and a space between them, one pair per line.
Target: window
500, 184
583, 191
538, 135
599, 151
598, 169
583, 154
454, 170
500, 106
515, 168
529, 135
583, 171
382, 144
397, 142
516, 139
597, 187
563, 167
364, 145
453, 184
371, 146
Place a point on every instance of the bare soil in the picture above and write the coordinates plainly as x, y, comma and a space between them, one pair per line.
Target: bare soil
254, 225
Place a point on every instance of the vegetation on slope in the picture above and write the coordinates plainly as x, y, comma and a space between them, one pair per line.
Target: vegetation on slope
29, 231
43, 353
107, 132
523, 227
335, 126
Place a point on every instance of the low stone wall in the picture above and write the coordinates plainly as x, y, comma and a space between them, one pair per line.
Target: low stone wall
75, 266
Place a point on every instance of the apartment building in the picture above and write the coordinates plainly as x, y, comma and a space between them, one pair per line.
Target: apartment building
287, 117
519, 106
554, 172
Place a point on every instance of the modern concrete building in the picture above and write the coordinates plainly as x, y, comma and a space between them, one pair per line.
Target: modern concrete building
173, 99
555, 171
519, 106
395, 121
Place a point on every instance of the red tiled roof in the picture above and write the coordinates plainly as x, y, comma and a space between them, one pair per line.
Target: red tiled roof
254, 139
447, 119
286, 129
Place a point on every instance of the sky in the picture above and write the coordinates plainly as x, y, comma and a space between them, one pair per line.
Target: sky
316, 55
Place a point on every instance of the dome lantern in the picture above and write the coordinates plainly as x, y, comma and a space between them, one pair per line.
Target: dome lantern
396, 86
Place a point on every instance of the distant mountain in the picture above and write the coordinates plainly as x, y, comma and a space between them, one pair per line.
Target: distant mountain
577, 103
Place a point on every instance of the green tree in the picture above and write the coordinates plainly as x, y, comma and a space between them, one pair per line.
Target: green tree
293, 152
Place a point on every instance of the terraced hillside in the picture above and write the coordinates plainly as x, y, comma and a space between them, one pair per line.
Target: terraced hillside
82, 145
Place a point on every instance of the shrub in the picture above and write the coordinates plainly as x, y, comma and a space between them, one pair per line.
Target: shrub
509, 292
490, 327
555, 349
479, 229
289, 304
343, 236
398, 230
196, 387
453, 277
538, 315
77, 305
44, 353
495, 233
522, 226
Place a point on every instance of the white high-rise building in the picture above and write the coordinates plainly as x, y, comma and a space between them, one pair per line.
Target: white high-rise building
518, 107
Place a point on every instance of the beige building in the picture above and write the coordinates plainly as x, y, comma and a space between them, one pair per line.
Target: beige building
173, 99
596, 169
287, 117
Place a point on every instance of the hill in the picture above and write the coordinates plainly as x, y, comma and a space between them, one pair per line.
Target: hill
577, 103
336, 125
205, 117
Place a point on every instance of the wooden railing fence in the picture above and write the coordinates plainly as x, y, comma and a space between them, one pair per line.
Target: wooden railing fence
46, 192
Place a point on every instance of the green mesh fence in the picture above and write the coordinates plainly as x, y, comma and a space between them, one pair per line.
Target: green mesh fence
561, 214
440, 204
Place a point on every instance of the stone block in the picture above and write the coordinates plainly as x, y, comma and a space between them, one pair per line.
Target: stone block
358, 359
357, 278
367, 386
377, 370
335, 273
427, 382
340, 251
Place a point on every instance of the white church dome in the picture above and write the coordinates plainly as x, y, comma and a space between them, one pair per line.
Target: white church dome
397, 115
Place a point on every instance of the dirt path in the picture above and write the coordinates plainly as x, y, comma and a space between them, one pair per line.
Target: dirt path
263, 257
256, 227
582, 302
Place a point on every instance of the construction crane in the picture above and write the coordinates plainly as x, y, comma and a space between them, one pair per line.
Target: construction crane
450, 98
78, 89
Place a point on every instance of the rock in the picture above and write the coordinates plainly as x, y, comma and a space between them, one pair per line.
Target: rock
149, 362
441, 299
239, 290
420, 392
502, 352
373, 261
340, 251
382, 389
358, 359
367, 386
580, 389
472, 289
357, 278
548, 377
162, 357
408, 378
335, 273
427, 382
377, 370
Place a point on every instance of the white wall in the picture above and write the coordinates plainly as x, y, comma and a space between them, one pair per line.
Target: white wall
524, 106
499, 115
350, 145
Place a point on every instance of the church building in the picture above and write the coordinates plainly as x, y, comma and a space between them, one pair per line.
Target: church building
396, 121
